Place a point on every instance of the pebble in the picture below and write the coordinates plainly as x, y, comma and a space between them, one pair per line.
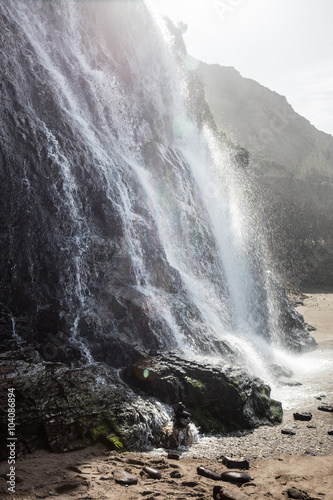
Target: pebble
153, 473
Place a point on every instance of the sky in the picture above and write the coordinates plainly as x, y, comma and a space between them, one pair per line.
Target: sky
285, 45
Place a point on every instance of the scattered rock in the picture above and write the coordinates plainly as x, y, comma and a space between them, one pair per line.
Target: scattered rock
202, 471
122, 477
232, 463
302, 416
227, 493
236, 477
133, 461
298, 494
174, 455
176, 474
290, 432
326, 408
190, 484
330, 433
153, 473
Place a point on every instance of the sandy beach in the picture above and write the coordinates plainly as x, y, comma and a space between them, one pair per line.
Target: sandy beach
281, 465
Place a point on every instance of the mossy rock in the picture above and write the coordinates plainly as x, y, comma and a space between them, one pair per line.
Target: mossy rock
108, 433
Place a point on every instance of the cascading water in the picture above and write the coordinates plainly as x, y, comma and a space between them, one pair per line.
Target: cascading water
129, 225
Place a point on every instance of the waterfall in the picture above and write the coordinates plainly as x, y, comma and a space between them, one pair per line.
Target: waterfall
130, 227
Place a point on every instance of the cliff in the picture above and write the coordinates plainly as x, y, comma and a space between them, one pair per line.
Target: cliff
292, 163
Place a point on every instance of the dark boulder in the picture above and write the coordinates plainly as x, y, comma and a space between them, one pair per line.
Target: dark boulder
218, 399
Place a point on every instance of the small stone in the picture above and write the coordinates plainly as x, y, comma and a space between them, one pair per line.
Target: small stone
202, 471
288, 431
227, 493
174, 455
326, 408
232, 463
297, 494
236, 477
175, 474
153, 473
122, 477
330, 433
302, 416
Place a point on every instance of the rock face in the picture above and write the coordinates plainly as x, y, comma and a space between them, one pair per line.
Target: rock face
292, 162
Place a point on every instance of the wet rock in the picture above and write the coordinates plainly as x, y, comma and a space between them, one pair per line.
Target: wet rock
182, 417
64, 409
289, 383
173, 455
236, 477
204, 389
233, 463
297, 494
228, 493
153, 473
303, 416
281, 371
123, 477
290, 432
202, 471
326, 408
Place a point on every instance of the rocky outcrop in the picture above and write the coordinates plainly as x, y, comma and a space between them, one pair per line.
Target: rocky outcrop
64, 408
219, 399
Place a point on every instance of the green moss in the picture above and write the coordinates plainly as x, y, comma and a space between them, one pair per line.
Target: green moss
115, 443
276, 412
101, 430
108, 433
195, 383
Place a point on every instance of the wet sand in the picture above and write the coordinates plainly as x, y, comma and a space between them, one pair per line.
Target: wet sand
278, 462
